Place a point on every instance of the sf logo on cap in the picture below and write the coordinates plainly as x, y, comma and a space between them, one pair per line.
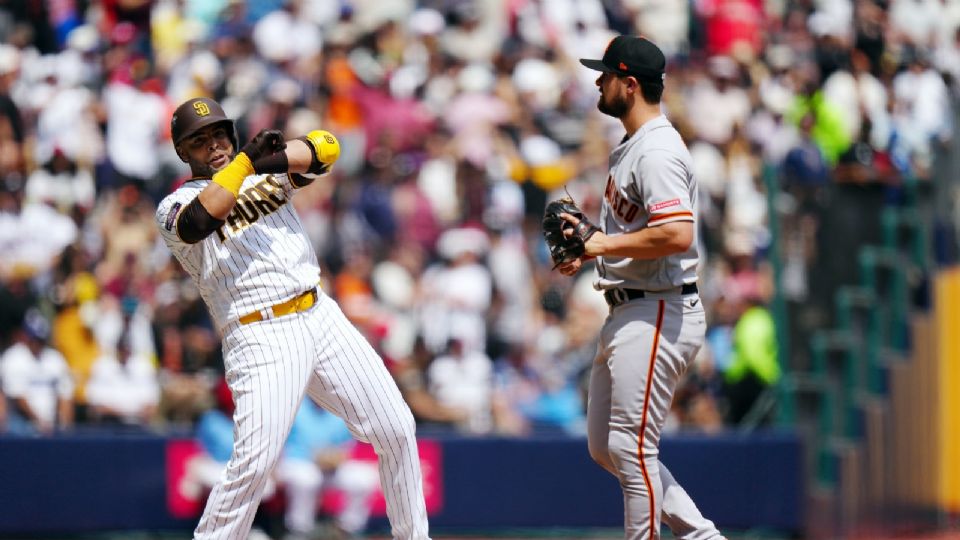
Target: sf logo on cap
201, 108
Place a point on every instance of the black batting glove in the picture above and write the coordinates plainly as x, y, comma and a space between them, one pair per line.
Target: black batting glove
267, 142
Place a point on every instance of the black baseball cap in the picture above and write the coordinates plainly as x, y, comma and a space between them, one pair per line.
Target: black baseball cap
633, 56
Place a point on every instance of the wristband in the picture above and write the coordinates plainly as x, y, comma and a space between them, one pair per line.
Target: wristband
233, 175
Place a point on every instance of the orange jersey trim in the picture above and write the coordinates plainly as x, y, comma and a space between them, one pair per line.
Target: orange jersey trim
662, 217
643, 418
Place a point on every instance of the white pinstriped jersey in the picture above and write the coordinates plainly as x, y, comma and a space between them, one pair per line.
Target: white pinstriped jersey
650, 183
260, 257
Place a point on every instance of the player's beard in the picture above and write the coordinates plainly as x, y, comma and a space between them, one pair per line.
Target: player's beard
203, 169
615, 106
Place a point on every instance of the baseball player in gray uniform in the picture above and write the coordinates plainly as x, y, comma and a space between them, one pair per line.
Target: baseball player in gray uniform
235, 231
647, 258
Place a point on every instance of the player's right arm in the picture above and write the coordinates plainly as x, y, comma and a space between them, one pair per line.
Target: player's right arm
304, 158
176, 227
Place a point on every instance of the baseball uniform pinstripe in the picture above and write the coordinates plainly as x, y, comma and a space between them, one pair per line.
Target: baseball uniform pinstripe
647, 341
261, 257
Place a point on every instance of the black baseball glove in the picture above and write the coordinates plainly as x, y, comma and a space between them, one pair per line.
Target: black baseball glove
565, 248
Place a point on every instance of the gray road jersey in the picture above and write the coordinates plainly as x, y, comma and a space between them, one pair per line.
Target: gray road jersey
650, 183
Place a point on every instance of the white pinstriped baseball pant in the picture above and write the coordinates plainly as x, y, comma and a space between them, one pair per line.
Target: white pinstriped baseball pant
270, 365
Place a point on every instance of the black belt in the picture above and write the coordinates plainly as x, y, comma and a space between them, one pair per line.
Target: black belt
615, 297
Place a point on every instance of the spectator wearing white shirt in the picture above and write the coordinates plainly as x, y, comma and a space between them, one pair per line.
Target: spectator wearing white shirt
285, 35
61, 183
717, 105
67, 118
510, 268
915, 20
457, 294
463, 379
473, 30
665, 22
922, 109
136, 121
857, 94
947, 60
127, 320
123, 387
37, 381
32, 236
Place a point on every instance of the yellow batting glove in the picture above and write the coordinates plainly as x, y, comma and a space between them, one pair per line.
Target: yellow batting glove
325, 146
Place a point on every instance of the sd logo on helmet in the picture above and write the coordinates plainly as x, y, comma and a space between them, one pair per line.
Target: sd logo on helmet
198, 113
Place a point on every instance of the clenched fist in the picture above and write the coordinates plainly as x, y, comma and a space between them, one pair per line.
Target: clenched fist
264, 143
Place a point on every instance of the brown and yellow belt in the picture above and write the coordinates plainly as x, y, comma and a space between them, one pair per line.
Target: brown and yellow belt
296, 304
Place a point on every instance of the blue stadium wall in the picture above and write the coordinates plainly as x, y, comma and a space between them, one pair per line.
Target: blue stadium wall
90, 483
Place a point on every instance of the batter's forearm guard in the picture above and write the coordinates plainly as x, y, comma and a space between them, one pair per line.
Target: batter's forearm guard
195, 222
273, 164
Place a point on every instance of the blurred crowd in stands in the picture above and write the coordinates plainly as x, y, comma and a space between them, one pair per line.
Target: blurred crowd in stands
458, 119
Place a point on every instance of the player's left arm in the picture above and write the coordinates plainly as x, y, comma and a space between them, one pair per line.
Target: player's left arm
665, 191
304, 158
648, 243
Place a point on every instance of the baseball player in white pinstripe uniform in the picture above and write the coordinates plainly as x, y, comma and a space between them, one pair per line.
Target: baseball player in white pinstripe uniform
647, 264
233, 228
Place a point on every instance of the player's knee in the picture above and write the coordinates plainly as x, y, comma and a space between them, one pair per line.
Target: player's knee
599, 448
248, 474
258, 460
605, 460
263, 468
621, 446
409, 422
405, 426
600, 452
401, 427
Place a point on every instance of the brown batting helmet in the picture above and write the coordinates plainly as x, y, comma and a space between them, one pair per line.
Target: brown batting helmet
198, 113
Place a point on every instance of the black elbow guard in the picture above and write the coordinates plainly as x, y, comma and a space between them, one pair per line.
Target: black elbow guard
195, 222
302, 180
316, 166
